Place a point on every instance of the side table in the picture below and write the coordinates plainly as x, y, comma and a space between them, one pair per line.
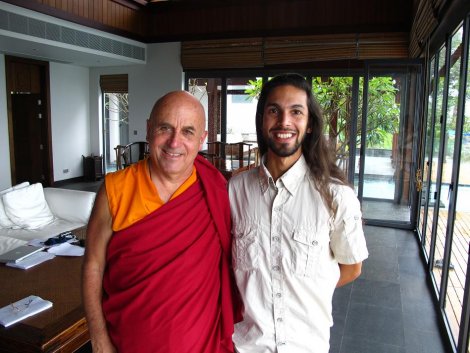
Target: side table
92, 167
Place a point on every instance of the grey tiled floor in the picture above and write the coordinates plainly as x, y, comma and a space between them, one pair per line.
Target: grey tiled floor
388, 309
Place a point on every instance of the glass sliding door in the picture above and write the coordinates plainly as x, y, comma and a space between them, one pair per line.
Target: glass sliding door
457, 234
428, 185
242, 99
461, 228
438, 169
337, 96
116, 126
388, 134
445, 213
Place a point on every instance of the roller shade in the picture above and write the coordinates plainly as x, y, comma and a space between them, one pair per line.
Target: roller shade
260, 52
114, 83
222, 54
425, 22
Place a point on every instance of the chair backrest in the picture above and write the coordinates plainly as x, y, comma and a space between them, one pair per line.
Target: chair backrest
216, 148
136, 151
255, 152
120, 159
241, 152
130, 153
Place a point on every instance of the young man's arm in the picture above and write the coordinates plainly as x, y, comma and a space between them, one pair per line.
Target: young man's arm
99, 232
348, 273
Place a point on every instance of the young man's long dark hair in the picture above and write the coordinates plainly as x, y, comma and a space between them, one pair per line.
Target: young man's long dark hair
318, 155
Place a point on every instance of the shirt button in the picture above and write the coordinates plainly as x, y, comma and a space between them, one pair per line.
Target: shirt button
281, 343
315, 243
279, 319
278, 295
276, 268
276, 238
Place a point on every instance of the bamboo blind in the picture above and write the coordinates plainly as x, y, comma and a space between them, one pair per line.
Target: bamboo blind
260, 52
222, 54
425, 22
114, 83
335, 47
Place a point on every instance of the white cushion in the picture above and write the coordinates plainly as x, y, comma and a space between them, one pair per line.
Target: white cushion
21, 185
27, 207
4, 220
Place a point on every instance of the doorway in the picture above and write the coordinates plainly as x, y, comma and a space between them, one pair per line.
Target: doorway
387, 139
28, 121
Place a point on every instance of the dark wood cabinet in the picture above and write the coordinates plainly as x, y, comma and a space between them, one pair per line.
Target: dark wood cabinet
92, 167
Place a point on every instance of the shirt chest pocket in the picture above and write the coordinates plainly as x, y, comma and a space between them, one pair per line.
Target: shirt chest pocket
307, 248
245, 250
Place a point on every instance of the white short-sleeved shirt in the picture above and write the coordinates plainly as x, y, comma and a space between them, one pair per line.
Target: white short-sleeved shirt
286, 250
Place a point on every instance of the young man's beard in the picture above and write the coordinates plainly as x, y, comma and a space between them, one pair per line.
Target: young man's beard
283, 150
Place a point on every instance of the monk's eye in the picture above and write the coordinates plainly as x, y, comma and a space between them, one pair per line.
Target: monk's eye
188, 132
163, 129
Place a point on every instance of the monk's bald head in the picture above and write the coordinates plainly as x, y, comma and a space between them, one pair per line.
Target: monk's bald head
175, 101
175, 132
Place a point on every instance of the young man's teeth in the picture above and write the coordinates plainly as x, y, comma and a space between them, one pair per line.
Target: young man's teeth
284, 136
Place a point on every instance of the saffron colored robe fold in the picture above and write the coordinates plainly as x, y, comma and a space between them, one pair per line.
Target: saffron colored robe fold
167, 283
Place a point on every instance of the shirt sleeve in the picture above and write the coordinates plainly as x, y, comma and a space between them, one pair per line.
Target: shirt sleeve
347, 241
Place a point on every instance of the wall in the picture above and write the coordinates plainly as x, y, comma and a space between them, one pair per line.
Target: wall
76, 109
5, 175
70, 123
161, 74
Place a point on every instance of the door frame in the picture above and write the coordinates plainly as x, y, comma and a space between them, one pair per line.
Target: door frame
44, 91
375, 68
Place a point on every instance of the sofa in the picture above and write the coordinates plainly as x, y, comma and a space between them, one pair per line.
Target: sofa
65, 210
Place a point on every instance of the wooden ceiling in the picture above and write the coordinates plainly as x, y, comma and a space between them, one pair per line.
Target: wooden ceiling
182, 20
189, 19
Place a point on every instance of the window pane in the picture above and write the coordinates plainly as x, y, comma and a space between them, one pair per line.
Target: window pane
116, 126
242, 98
425, 223
459, 255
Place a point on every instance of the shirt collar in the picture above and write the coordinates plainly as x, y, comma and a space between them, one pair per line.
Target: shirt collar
290, 179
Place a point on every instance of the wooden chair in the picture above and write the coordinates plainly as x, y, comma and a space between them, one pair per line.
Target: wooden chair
215, 153
130, 153
120, 151
255, 152
217, 149
241, 153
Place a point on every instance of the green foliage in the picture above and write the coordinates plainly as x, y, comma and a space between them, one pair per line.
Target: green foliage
334, 94
255, 88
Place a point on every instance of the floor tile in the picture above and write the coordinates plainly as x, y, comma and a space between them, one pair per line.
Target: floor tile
351, 345
375, 323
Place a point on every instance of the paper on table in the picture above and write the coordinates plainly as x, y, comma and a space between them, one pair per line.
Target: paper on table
66, 249
22, 309
32, 260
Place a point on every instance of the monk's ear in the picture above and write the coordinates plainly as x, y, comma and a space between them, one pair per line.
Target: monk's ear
148, 130
203, 138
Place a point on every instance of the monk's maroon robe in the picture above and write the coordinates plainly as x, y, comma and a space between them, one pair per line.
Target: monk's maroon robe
167, 282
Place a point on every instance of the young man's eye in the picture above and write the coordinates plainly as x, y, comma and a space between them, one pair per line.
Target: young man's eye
272, 110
